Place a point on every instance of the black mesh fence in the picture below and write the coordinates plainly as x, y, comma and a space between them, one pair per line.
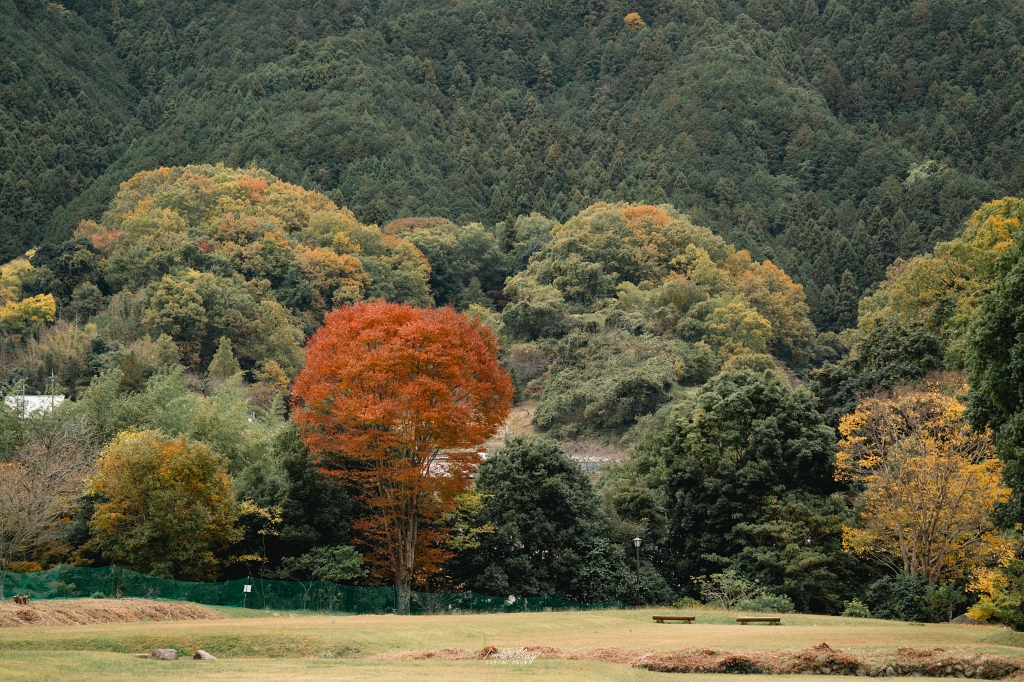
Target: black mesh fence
70, 582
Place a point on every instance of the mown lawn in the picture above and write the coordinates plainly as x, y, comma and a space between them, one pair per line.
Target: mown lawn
293, 646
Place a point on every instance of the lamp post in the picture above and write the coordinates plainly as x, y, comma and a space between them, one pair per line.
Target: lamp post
636, 543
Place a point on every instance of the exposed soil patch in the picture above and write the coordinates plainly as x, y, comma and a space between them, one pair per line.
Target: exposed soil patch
94, 611
823, 660
710, 661
819, 660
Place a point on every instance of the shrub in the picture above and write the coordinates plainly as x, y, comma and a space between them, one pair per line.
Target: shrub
769, 603
855, 608
911, 598
728, 589
687, 603
902, 597
1002, 595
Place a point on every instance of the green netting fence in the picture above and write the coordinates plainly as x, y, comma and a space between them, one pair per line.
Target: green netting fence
71, 582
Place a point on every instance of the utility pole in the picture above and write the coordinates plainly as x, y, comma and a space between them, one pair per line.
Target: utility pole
636, 543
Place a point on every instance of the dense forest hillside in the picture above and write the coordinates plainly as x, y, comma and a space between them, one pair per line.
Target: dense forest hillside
66, 104
744, 281
826, 136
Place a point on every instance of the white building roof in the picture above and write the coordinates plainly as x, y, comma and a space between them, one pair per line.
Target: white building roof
28, 405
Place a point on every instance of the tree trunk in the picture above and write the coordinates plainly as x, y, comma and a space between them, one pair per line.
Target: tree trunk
402, 599
403, 590
406, 558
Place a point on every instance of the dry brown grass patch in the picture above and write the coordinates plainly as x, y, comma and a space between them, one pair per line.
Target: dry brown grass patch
818, 660
96, 611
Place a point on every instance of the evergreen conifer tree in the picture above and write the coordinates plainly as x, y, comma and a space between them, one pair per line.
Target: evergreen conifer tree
133, 376
846, 308
545, 75
224, 364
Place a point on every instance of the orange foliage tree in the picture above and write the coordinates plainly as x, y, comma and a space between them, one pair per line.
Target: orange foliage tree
394, 401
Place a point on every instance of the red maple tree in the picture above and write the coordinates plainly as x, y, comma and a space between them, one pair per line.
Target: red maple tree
393, 402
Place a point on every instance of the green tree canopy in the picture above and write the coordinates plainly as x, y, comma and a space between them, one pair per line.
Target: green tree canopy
458, 254
744, 437
220, 421
550, 537
167, 509
995, 363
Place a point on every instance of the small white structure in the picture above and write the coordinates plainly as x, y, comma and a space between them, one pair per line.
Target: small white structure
31, 405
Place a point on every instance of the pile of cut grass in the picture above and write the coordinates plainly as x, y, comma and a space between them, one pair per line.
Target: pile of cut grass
99, 611
819, 660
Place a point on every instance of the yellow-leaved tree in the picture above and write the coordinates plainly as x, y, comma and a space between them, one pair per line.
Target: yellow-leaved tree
930, 483
168, 508
942, 290
1000, 593
27, 314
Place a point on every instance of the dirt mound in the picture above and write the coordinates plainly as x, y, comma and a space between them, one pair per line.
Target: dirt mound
91, 611
979, 667
707, 661
823, 660
819, 660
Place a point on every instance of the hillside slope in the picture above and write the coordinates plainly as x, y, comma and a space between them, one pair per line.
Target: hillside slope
826, 136
64, 101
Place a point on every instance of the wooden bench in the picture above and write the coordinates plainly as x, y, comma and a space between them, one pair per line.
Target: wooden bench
771, 620
684, 619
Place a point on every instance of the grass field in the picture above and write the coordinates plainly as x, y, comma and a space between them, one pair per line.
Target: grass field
259, 645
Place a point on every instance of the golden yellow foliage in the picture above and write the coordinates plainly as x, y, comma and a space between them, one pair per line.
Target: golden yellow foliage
634, 21
27, 314
274, 375
942, 290
645, 220
777, 298
930, 484
1001, 593
735, 327
13, 276
342, 274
